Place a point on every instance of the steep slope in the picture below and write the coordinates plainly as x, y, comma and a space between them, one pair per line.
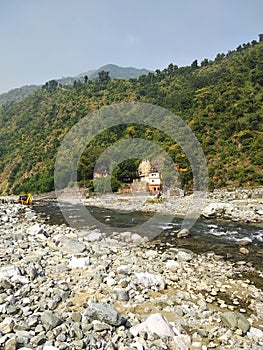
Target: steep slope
221, 100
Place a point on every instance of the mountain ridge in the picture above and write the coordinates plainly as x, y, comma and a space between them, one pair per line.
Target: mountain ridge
116, 72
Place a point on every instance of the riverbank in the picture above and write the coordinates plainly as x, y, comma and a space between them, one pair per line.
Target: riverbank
239, 205
62, 288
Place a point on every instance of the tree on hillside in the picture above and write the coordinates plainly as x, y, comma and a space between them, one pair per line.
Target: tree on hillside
51, 85
104, 76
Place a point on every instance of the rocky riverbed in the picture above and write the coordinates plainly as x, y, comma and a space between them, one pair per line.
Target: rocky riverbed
62, 288
239, 205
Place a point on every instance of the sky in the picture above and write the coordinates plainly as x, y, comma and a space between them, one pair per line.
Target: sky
42, 40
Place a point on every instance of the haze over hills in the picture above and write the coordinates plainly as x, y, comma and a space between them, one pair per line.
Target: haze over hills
221, 101
115, 72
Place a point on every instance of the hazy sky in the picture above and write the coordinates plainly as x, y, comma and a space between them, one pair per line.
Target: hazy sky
46, 39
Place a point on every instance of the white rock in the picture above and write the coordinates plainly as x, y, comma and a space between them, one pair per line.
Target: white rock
5, 218
3, 308
94, 236
110, 281
255, 333
155, 323
183, 341
6, 326
215, 209
172, 265
149, 280
9, 271
79, 263
184, 255
136, 238
35, 229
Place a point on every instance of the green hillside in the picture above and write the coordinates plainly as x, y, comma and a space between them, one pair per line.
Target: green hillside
221, 100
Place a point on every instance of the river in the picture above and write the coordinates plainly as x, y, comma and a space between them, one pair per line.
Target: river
216, 236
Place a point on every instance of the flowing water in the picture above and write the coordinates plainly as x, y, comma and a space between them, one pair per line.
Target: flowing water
216, 236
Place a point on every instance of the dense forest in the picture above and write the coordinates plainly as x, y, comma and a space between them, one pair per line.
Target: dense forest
220, 100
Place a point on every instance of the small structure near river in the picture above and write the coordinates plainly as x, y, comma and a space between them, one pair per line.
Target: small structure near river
150, 179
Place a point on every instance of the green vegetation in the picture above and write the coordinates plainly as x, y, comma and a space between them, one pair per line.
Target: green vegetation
220, 100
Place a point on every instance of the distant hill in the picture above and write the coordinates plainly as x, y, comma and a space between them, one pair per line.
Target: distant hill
18, 94
115, 72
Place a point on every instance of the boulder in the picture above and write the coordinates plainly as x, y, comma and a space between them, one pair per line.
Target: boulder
184, 255
11, 344
9, 271
255, 333
79, 263
184, 233
73, 246
173, 265
235, 320
217, 210
94, 236
149, 280
7, 325
244, 251
50, 320
104, 313
136, 238
154, 324
35, 230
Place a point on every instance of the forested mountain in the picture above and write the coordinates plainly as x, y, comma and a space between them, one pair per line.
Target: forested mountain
115, 72
221, 100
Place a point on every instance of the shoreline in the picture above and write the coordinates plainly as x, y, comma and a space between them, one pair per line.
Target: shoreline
63, 288
239, 205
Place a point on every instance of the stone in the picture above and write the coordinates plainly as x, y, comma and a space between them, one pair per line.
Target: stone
154, 324
184, 233
235, 320
173, 265
94, 236
104, 313
121, 294
79, 263
124, 270
244, 251
182, 341
184, 255
11, 344
149, 280
7, 325
76, 316
9, 271
50, 320
35, 230
30, 215
73, 246
255, 333
243, 242
136, 238
99, 326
